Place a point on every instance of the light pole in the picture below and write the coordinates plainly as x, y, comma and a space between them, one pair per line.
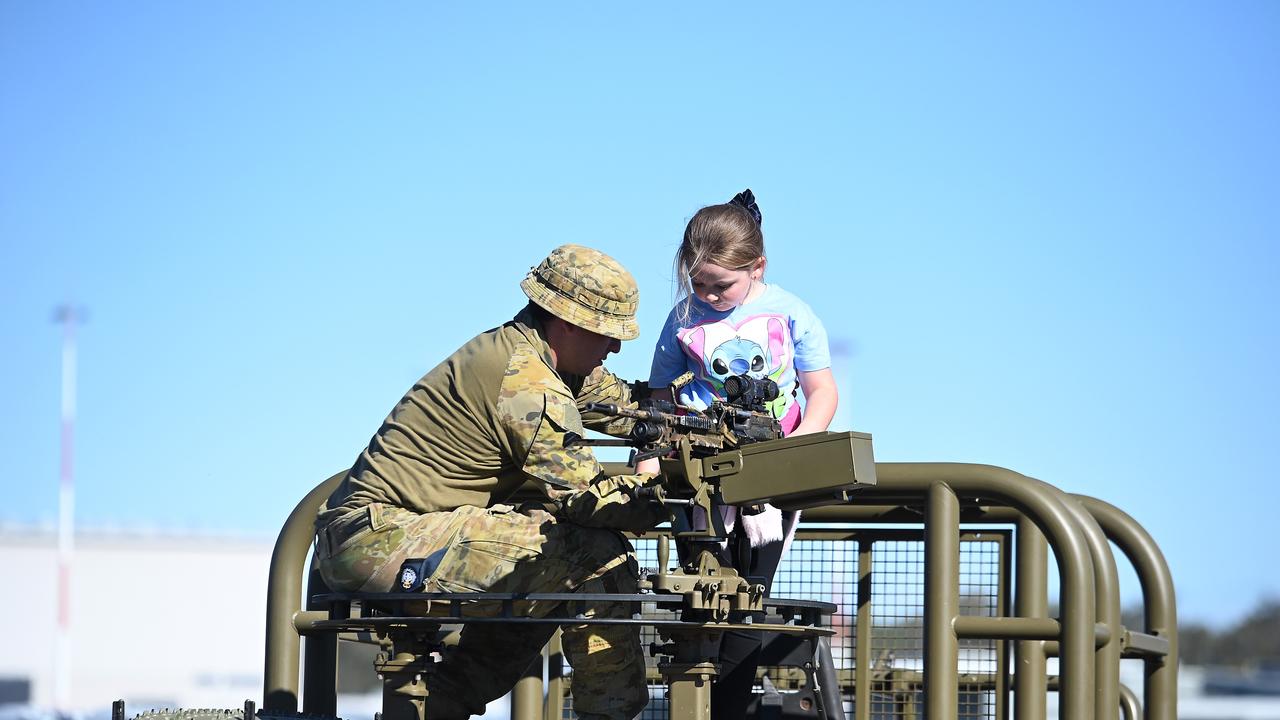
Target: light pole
68, 317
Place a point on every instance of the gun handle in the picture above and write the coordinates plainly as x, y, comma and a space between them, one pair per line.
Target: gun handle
664, 555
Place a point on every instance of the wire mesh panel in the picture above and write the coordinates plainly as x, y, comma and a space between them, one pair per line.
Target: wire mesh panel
982, 587
897, 625
825, 568
896, 631
824, 565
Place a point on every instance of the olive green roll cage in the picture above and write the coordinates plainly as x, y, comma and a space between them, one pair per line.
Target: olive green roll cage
1087, 637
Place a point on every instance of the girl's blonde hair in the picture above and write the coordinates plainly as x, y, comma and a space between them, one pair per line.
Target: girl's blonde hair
727, 235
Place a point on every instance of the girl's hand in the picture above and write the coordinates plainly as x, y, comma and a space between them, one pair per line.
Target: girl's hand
649, 465
821, 397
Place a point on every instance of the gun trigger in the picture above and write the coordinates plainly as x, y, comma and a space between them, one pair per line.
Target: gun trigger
642, 456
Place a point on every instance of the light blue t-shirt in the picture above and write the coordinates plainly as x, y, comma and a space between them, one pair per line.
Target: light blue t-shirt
771, 337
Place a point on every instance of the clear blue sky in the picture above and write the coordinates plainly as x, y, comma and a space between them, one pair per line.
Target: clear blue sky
1045, 237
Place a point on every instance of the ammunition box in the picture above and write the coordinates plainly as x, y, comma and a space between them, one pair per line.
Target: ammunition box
796, 472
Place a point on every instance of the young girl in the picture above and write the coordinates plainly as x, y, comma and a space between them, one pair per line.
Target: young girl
728, 321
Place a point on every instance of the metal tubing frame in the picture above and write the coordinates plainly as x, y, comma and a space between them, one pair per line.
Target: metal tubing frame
1159, 604
1130, 708
284, 598
1006, 628
526, 696
942, 603
1048, 508
319, 655
1031, 601
1003, 609
1106, 580
888, 504
1064, 528
862, 690
553, 709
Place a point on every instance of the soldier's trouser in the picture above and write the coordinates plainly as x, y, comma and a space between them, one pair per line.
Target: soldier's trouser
500, 549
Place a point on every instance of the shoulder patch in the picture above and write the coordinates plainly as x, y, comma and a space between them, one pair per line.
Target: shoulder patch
525, 383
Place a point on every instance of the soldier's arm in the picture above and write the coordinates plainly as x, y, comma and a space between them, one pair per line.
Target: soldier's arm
545, 425
602, 386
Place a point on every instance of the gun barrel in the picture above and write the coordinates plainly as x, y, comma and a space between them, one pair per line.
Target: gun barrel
695, 422
611, 409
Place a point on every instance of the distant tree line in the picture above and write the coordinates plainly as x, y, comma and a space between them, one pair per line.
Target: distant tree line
1255, 640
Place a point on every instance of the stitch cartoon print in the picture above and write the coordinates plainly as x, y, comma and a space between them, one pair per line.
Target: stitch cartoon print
758, 346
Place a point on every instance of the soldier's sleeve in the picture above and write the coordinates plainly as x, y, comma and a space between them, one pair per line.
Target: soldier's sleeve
543, 426
603, 386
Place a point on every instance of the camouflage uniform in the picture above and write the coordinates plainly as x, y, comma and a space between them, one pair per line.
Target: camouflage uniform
433, 480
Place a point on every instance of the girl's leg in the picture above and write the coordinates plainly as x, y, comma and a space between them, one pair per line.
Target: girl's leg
740, 651
739, 658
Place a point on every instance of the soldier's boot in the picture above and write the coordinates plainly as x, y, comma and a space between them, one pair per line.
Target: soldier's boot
489, 659
445, 702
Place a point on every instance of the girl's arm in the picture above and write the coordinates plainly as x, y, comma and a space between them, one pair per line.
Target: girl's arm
651, 465
821, 397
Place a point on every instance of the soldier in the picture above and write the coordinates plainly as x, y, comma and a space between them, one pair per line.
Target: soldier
501, 410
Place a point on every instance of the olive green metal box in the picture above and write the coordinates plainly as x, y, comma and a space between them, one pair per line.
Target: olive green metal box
796, 472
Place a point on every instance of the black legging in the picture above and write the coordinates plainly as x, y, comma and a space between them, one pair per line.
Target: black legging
740, 650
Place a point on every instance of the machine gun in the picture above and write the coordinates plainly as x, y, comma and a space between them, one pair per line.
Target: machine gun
682, 437
660, 426
734, 453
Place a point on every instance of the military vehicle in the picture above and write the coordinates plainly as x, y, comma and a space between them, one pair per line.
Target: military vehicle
905, 601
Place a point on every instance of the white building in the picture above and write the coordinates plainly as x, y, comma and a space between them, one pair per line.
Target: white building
159, 620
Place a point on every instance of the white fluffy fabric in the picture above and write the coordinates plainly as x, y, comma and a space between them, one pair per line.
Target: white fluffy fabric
769, 526
764, 527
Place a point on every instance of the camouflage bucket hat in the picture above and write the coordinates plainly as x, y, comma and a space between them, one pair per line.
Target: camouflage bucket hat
587, 288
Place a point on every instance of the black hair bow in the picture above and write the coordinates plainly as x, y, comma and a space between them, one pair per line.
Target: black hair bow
747, 201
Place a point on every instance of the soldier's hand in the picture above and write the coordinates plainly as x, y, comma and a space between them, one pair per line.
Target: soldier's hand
654, 493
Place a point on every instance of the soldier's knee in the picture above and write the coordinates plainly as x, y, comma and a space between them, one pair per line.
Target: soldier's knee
626, 576
619, 570
618, 580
